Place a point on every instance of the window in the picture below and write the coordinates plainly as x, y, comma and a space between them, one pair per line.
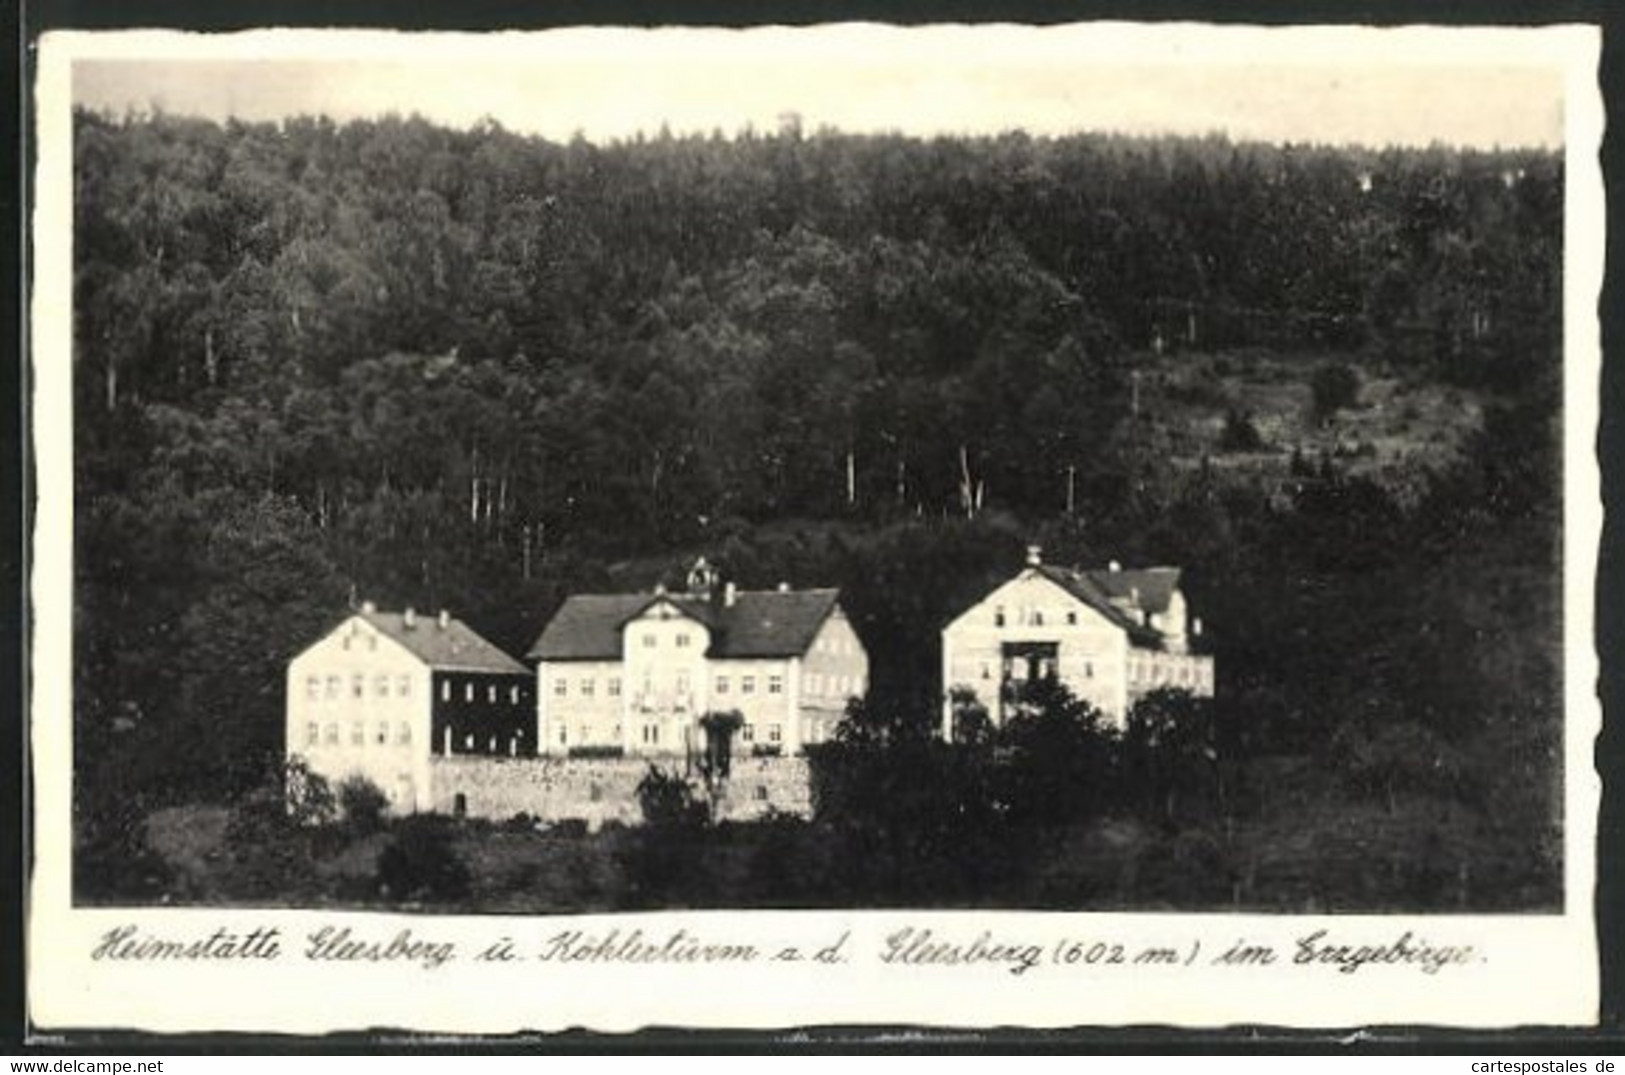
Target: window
468, 692
1071, 619
445, 690
1088, 669
358, 734
333, 735
313, 734
561, 687
1038, 617
332, 686
403, 686
313, 688
987, 671
380, 686
585, 734
747, 733
649, 641
358, 685
774, 733
722, 684
998, 616
682, 682
588, 686
761, 793
682, 640
491, 694
513, 695
563, 735
614, 686
403, 733
775, 684
651, 734
383, 732
468, 741
747, 684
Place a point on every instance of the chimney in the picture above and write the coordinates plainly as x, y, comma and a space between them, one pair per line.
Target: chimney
445, 619
1115, 566
368, 608
1035, 555
784, 587
730, 594
409, 619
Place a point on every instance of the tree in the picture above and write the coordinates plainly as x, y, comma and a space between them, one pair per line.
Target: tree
1058, 758
1170, 754
362, 804
1334, 386
421, 862
667, 802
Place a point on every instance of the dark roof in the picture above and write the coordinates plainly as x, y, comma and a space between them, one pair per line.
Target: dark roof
759, 623
454, 647
1156, 585
1084, 586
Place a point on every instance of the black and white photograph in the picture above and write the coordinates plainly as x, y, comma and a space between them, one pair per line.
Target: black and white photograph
612, 486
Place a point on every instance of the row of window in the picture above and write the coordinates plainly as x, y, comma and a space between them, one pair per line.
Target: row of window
331, 733
839, 686
1042, 668
833, 643
330, 688
1169, 674
682, 640
650, 734
1026, 616
587, 686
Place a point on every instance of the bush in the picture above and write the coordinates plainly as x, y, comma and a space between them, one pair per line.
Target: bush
362, 804
1240, 435
422, 863
308, 795
1334, 387
667, 801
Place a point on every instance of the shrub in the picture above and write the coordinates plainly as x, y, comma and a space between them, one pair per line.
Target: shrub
1334, 387
308, 795
667, 801
362, 804
1240, 435
422, 863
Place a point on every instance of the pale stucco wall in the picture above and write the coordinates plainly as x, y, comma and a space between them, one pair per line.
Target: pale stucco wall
358, 705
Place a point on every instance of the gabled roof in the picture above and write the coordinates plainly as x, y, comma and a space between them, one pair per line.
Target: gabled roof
1085, 586
1154, 586
759, 623
456, 647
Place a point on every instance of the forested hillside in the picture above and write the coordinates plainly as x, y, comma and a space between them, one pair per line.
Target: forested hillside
316, 363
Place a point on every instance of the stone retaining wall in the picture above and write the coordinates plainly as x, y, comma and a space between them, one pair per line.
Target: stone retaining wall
597, 790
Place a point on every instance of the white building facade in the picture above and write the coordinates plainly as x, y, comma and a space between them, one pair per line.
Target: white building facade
1110, 636
384, 693
633, 673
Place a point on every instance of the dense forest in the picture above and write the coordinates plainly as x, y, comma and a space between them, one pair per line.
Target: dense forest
319, 362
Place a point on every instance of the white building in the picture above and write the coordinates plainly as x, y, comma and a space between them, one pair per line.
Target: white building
633, 672
1110, 636
384, 693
